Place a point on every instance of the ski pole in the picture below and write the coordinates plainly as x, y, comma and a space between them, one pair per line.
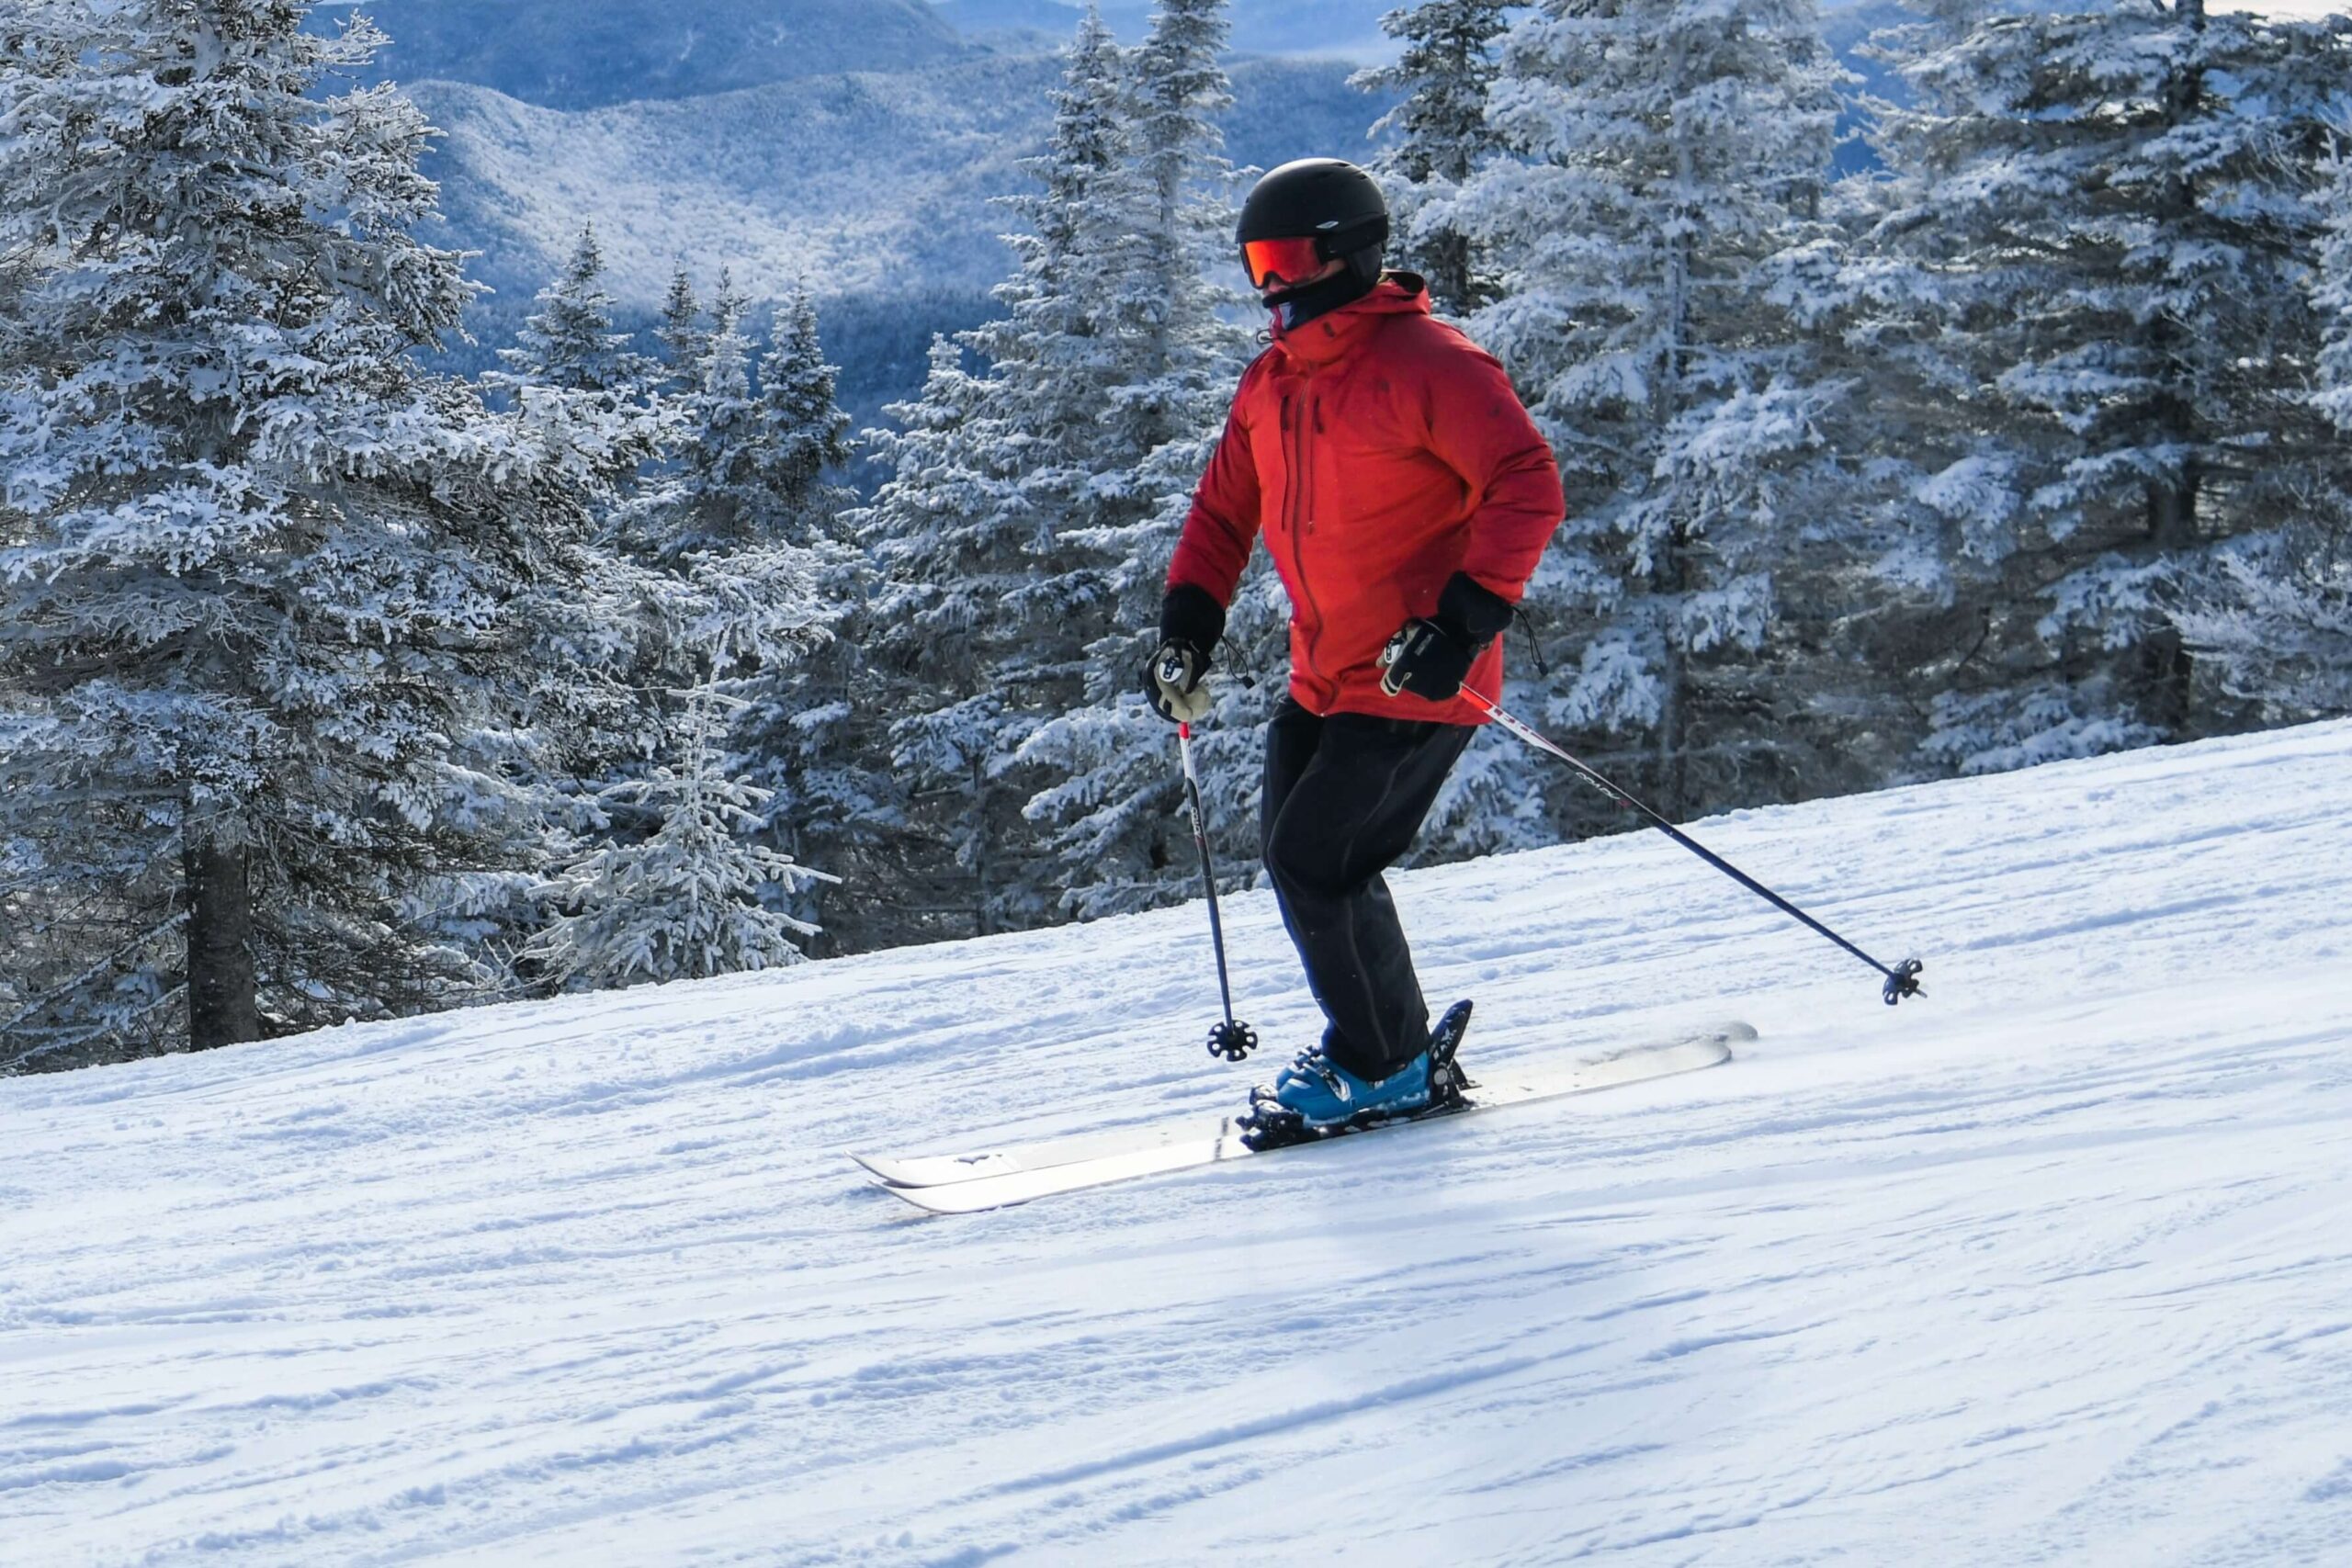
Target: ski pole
1231, 1040
1902, 980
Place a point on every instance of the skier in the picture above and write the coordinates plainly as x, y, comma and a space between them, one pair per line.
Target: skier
1405, 498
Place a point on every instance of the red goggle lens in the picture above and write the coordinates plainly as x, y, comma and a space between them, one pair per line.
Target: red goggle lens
1290, 260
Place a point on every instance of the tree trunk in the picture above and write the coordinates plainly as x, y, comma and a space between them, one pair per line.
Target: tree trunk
1673, 715
2172, 504
981, 925
2167, 666
222, 1007
1448, 256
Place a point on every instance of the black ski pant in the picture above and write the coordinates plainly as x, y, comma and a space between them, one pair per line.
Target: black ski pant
1344, 796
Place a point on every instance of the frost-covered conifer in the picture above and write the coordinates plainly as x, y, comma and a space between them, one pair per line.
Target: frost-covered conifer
1668, 155
1169, 349
691, 900
958, 596
731, 596
1448, 62
804, 441
684, 338
1001, 562
568, 341
256, 568
725, 518
577, 381
2101, 251
2273, 617
813, 729
1176, 87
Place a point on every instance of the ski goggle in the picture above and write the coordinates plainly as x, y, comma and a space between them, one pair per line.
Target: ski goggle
1291, 259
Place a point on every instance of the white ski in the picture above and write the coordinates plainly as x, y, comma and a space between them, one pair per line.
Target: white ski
964, 1184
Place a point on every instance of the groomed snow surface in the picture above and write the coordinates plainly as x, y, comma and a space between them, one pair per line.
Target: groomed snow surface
2052, 1266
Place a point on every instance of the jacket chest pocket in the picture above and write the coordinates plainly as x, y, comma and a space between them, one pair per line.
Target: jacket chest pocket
1356, 456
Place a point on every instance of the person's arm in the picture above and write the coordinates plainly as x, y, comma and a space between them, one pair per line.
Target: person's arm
1206, 568
1219, 530
1478, 428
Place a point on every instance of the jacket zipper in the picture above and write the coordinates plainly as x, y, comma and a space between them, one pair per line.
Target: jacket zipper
1299, 476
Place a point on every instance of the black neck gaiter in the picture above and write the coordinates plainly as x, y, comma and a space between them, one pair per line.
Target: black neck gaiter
1300, 305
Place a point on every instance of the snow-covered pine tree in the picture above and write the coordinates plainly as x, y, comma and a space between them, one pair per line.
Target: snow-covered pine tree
684, 338
1442, 135
671, 885
568, 341
2108, 225
999, 618
813, 732
957, 596
725, 522
694, 898
1871, 592
2273, 619
576, 379
1175, 88
256, 567
1170, 347
1668, 155
804, 441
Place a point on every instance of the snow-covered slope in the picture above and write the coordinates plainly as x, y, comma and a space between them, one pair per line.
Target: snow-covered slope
2053, 1265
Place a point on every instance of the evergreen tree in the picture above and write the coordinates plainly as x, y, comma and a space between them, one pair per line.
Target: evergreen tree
666, 886
1000, 619
568, 341
723, 521
575, 379
1168, 351
691, 900
1444, 73
804, 439
683, 339
256, 567
1670, 157
813, 730
1175, 89
2100, 250
959, 595
2274, 617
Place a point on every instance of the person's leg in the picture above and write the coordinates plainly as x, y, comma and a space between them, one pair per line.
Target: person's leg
1293, 735
1347, 810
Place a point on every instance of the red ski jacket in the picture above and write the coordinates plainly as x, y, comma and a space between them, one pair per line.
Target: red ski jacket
1379, 451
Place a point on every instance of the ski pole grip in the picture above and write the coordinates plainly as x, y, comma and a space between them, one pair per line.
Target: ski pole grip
1393, 651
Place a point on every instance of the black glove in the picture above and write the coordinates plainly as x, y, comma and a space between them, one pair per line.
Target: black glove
1430, 655
1190, 624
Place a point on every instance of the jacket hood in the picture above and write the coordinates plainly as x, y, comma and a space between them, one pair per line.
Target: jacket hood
1327, 337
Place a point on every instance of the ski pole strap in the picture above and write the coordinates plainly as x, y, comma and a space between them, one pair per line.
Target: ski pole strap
1902, 979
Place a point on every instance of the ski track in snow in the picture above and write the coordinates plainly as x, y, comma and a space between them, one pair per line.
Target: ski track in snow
2052, 1266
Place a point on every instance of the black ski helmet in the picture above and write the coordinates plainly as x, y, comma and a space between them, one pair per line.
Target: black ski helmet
1328, 199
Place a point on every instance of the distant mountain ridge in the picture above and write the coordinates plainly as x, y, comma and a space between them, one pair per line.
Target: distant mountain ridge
565, 55
852, 146
854, 183
1327, 28
875, 190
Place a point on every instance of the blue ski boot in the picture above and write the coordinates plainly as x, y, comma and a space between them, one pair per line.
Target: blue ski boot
1317, 1097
